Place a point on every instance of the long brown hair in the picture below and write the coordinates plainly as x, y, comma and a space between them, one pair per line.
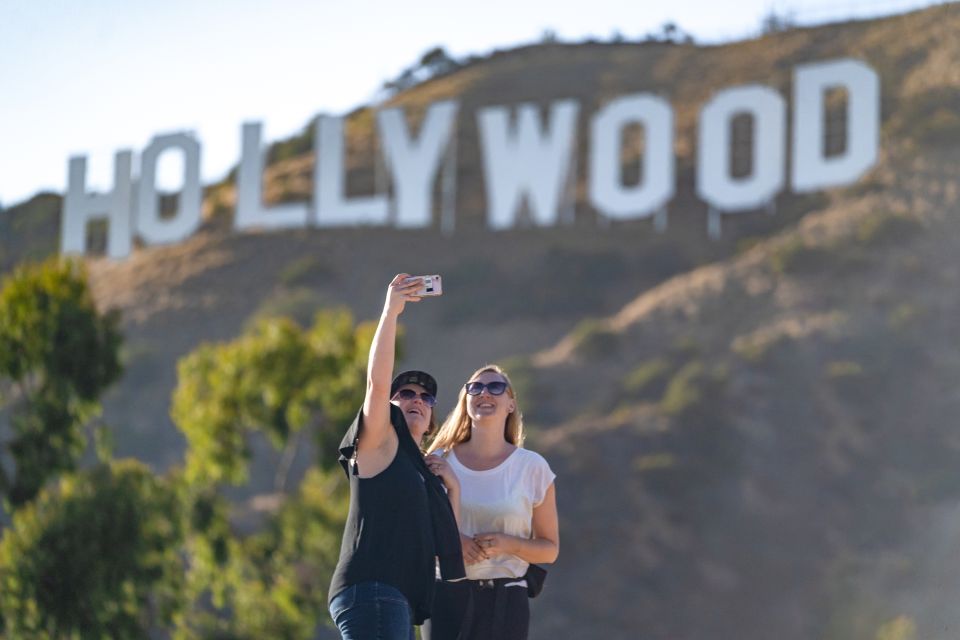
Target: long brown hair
456, 428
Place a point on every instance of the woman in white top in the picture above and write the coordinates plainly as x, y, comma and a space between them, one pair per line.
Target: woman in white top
508, 513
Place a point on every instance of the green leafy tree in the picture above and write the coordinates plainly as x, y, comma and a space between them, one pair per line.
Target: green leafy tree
293, 559
275, 380
280, 381
272, 584
438, 62
58, 354
95, 557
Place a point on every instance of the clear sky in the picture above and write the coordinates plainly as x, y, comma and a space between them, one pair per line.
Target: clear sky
95, 77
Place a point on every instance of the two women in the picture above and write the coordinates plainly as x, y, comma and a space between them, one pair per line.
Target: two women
405, 510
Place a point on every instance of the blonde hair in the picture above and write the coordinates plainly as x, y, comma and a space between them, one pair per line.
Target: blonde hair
456, 428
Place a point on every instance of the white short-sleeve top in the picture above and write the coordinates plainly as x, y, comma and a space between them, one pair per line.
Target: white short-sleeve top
502, 499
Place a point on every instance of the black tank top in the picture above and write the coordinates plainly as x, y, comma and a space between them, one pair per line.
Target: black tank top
388, 536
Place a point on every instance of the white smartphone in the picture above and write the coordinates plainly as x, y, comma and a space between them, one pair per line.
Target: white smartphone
431, 286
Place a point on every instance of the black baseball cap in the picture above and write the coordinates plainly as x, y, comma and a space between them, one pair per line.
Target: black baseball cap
421, 378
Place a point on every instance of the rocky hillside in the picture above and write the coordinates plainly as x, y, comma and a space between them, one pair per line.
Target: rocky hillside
753, 436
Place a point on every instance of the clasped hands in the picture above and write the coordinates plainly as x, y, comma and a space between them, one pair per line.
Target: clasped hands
483, 546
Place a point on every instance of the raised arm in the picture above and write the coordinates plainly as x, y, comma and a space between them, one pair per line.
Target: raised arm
377, 431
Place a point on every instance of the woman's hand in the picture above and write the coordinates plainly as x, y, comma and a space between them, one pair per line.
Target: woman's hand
441, 468
472, 552
496, 543
543, 547
400, 292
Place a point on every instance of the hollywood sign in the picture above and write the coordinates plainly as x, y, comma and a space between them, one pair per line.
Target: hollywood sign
522, 158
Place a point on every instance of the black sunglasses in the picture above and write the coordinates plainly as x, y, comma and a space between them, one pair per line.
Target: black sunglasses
410, 394
495, 388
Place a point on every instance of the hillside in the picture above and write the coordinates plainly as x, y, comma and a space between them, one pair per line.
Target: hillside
774, 435
753, 435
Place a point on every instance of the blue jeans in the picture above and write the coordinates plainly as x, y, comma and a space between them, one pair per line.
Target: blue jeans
372, 610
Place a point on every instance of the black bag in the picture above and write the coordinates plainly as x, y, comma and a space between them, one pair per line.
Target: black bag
535, 576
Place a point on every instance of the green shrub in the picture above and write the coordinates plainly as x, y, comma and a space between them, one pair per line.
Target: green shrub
653, 462
754, 349
685, 347
645, 378
527, 386
903, 315
941, 129
594, 339
95, 556
843, 369
296, 145
928, 118
693, 388
795, 256
61, 353
683, 392
884, 228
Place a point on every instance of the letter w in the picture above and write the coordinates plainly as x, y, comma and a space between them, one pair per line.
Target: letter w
523, 160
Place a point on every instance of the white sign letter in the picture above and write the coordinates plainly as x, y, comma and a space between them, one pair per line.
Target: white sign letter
150, 226
79, 207
333, 208
811, 170
656, 186
523, 160
414, 164
250, 210
715, 183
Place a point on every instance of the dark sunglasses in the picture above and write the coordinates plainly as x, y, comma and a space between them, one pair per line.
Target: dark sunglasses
496, 388
410, 394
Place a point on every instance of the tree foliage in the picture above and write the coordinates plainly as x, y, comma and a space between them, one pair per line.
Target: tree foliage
95, 557
280, 381
433, 63
276, 380
272, 584
58, 354
118, 552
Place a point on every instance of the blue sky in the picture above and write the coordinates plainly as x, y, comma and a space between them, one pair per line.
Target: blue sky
91, 78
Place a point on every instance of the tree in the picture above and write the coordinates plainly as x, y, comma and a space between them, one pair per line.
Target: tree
437, 62
275, 380
272, 584
58, 354
95, 557
278, 380
433, 63
774, 22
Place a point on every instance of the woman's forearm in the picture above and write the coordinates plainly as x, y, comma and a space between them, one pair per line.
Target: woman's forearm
382, 351
537, 550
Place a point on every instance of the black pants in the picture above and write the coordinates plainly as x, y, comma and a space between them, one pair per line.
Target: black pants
471, 610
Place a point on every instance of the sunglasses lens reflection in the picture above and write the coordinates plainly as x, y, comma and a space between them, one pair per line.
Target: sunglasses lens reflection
495, 388
410, 394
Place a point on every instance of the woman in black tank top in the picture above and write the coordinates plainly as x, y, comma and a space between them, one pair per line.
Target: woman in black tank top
402, 508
